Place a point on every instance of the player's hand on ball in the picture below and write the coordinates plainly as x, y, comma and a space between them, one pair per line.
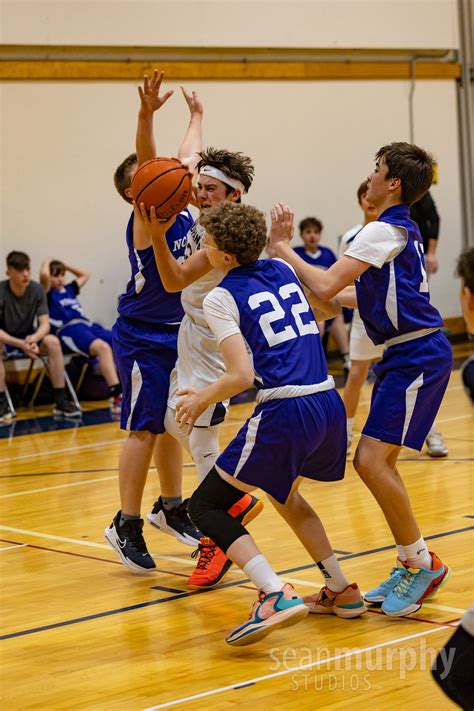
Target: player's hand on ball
154, 226
282, 224
150, 99
189, 408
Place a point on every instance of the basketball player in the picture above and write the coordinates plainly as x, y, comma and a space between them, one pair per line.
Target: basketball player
223, 176
361, 349
260, 307
386, 262
145, 347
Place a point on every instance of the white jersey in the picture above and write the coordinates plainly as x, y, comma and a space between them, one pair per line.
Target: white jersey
200, 362
347, 239
192, 296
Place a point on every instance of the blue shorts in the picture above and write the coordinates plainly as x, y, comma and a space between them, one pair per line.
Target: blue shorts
411, 380
145, 357
287, 438
77, 337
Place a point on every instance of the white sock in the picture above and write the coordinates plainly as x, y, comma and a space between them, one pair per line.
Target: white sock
334, 578
401, 553
350, 423
417, 555
262, 576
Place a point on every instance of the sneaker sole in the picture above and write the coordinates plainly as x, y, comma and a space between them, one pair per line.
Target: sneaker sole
417, 606
128, 563
379, 600
345, 613
224, 570
437, 455
159, 521
285, 618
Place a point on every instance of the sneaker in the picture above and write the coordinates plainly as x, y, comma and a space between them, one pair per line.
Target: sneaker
211, 567
246, 509
415, 586
436, 444
129, 543
347, 603
115, 405
377, 595
269, 613
5, 412
175, 522
65, 408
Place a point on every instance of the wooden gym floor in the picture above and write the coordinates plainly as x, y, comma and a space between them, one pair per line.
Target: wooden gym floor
83, 632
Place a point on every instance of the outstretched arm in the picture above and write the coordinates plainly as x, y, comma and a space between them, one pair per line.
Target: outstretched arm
45, 275
150, 101
174, 275
192, 142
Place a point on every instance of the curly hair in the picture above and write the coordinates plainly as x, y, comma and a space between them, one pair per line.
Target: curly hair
237, 229
410, 163
122, 176
235, 165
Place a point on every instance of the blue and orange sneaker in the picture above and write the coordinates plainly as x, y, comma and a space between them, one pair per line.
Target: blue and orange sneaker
414, 587
377, 595
270, 612
347, 603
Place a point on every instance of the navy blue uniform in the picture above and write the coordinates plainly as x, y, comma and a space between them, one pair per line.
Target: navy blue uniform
146, 332
299, 425
394, 304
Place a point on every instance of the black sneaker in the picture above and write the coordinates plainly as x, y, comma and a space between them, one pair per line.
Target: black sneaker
5, 412
64, 408
175, 522
129, 543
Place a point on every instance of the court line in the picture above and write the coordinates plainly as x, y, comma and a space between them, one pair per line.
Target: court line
91, 544
236, 583
301, 667
59, 486
65, 449
18, 545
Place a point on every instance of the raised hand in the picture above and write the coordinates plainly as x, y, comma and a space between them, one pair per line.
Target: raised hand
282, 224
193, 101
150, 99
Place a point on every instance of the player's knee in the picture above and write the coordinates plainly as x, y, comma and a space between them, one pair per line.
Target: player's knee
51, 344
363, 463
99, 348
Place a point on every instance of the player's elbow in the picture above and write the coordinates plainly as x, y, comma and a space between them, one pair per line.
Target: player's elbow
244, 380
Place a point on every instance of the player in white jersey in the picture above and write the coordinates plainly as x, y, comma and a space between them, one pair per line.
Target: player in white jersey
223, 176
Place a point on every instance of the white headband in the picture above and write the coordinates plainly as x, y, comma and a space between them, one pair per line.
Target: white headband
219, 175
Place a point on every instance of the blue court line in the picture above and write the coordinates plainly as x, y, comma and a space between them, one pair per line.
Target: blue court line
181, 595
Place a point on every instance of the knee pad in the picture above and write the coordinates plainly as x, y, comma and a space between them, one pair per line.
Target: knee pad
208, 510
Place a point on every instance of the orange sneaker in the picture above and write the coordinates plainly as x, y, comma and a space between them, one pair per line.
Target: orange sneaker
211, 567
348, 603
246, 509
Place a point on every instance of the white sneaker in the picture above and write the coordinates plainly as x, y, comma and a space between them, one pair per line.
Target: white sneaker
436, 444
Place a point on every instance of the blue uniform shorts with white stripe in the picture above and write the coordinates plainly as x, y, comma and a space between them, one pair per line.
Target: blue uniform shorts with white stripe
145, 357
286, 438
78, 337
411, 380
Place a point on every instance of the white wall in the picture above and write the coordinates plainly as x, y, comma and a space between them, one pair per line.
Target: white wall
312, 144
242, 23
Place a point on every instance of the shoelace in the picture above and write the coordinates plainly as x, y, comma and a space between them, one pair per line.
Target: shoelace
404, 586
206, 554
133, 531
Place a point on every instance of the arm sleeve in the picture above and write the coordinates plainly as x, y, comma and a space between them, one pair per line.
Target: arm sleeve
378, 243
222, 314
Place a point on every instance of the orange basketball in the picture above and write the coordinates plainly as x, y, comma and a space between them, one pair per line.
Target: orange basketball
163, 183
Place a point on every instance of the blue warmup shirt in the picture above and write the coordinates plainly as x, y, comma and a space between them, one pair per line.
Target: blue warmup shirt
64, 306
278, 324
395, 299
323, 258
145, 300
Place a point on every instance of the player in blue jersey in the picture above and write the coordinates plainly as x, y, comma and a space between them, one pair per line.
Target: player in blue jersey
386, 262
260, 307
75, 331
314, 253
145, 348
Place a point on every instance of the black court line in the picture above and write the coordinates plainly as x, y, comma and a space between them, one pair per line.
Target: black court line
468, 516
182, 595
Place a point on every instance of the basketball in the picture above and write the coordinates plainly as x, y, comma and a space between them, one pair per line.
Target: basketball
163, 183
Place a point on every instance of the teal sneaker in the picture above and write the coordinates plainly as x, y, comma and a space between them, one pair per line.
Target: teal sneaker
415, 586
269, 613
378, 594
